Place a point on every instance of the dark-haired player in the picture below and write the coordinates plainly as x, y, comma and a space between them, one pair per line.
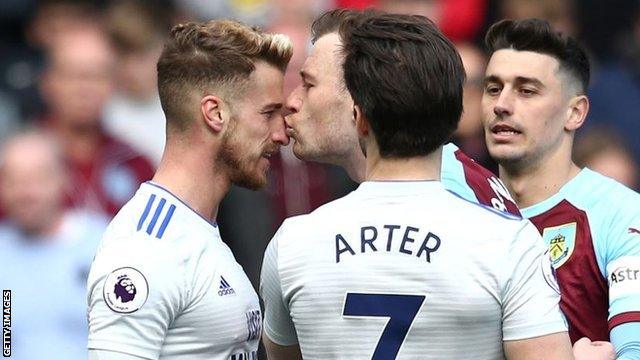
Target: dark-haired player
534, 101
321, 124
401, 267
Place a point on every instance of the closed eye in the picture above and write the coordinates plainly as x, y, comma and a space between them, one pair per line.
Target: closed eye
268, 114
527, 91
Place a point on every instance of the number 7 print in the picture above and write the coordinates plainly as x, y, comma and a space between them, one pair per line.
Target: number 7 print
400, 309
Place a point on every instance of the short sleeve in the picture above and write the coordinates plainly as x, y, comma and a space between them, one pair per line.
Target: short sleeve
530, 292
135, 290
278, 324
622, 256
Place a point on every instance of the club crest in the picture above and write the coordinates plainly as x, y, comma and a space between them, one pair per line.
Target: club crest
561, 241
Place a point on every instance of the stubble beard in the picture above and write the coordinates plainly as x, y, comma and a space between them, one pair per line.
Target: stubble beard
240, 168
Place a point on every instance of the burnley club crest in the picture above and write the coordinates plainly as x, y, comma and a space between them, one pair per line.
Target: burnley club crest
561, 240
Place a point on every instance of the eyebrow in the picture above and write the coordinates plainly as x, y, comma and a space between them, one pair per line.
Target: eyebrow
518, 80
272, 106
490, 79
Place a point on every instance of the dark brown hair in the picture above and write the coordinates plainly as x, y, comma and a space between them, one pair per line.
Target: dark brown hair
330, 22
538, 36
407, 78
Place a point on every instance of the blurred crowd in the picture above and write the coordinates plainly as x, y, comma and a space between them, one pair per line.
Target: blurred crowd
81, 127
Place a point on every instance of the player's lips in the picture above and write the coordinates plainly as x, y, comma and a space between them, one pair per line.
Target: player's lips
289, 130
503, 132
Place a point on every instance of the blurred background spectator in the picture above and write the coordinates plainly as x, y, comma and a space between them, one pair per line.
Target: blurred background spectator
559, 13
138, 31
469, 135
83, 71
45, 251
606, 151
615, 88
76, 84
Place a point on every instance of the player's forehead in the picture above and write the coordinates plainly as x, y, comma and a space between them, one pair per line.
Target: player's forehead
324, 56
507, 65
265, 84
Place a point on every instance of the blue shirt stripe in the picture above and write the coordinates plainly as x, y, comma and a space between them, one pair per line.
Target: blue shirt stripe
146, 211
156, 215
166, 220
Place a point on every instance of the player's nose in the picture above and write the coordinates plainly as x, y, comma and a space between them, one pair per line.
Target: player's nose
293, 103
504, 104
278, 130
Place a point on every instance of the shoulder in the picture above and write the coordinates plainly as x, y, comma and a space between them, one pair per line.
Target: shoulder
472, 181
612, 210
293, 229
603, 197
154, 220
474, 209
487, 223
616, 191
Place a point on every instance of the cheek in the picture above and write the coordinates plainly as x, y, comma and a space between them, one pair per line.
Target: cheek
547, 124
321, 101
486, 108
250, 131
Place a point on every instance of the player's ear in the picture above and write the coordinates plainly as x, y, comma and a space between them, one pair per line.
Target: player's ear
578, 109
361, 123
354, 114
211, 108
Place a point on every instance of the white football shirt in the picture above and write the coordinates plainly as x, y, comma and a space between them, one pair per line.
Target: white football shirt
407, 270
164, 285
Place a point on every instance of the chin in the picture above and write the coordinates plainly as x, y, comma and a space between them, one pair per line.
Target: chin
506, 158
300, 152
318, 155
253, 181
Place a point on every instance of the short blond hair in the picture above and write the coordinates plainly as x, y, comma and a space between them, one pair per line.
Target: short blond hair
218, 54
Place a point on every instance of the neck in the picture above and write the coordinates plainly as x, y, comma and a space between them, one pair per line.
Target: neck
414, 168
538, 181
188, 170
355, 165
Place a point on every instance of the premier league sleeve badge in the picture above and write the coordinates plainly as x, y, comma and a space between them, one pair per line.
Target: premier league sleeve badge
125, 290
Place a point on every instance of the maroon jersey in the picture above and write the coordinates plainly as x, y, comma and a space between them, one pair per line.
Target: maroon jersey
110, 180
469, 180
588, 228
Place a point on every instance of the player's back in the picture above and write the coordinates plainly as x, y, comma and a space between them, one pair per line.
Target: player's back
407, 270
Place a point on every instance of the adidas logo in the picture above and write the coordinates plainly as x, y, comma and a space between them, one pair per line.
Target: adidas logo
225, 288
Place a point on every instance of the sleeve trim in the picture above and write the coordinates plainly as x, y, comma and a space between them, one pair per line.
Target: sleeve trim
276, 338
530, 331
627, 317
